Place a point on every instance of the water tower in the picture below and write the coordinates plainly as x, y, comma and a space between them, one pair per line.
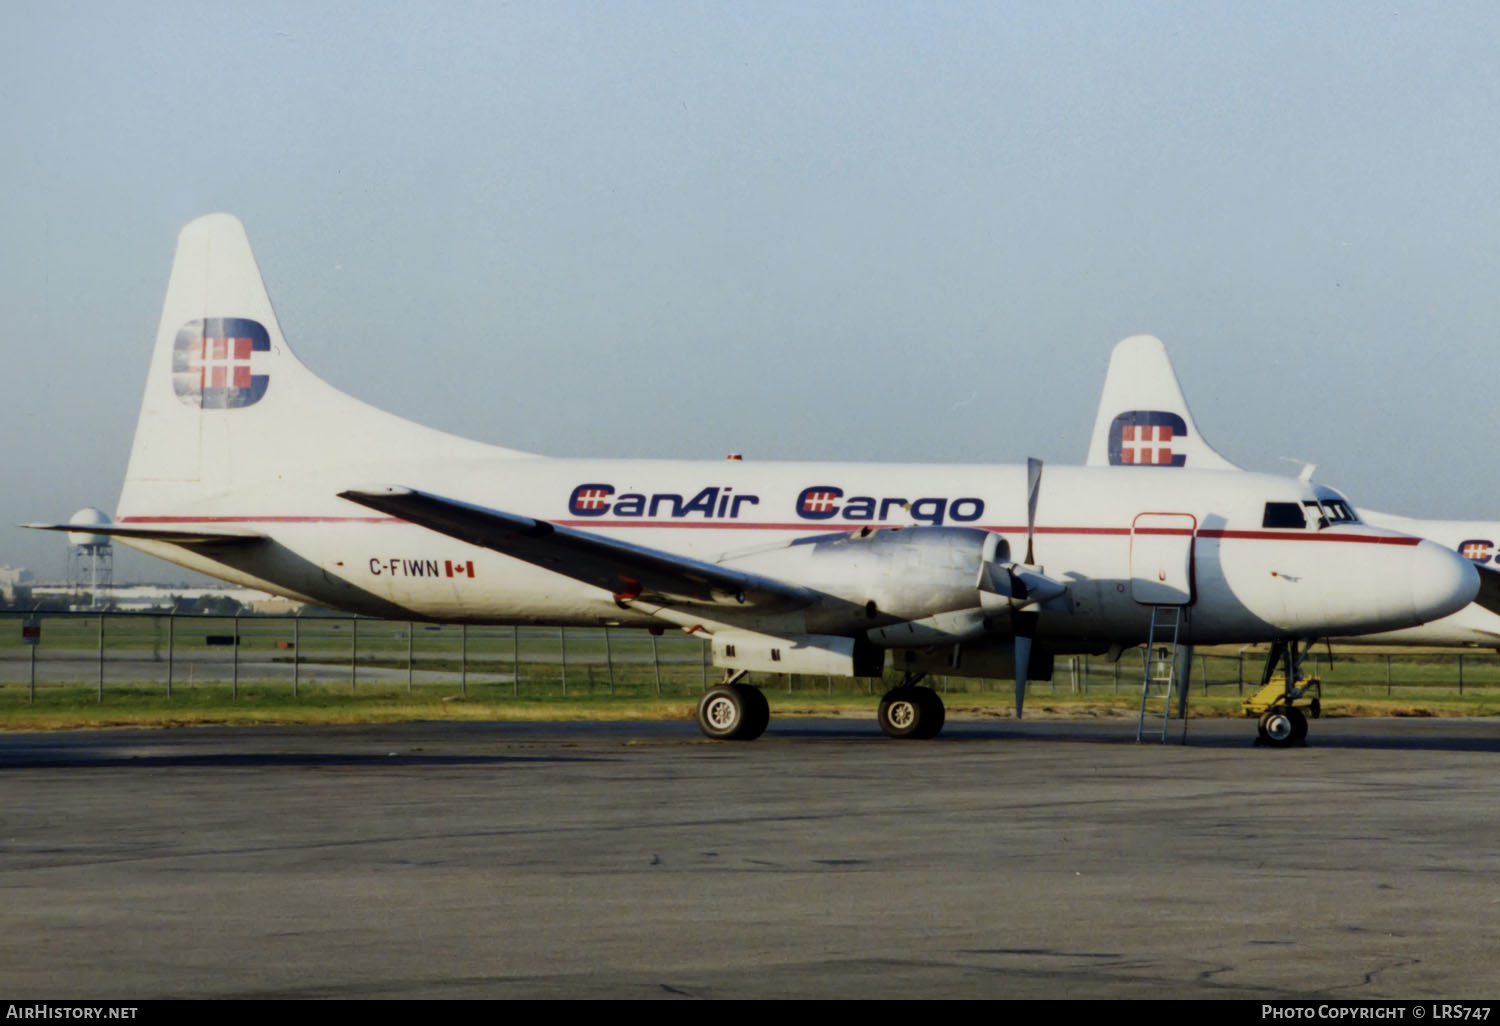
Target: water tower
91, 559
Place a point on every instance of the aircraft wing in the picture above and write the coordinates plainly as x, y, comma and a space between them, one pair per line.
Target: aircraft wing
626, 570
174, 534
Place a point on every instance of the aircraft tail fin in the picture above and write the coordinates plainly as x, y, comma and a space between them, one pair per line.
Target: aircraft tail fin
1143, 419
227, 404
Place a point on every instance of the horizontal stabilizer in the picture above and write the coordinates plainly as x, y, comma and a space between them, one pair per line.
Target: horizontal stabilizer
627, 571
171, 533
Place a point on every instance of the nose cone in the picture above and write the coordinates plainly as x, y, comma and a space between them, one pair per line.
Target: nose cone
1442, 582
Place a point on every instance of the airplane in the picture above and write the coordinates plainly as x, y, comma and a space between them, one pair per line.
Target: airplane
247, 466
1144, 420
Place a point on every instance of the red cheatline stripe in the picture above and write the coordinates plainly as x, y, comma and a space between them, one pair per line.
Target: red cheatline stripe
266, 519
820, 527
1361, 539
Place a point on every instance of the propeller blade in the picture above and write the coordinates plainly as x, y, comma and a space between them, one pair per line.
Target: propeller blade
1025, 627
1023, 657
1033, 490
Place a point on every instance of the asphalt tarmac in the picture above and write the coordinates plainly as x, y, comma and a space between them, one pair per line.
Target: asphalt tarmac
637, 860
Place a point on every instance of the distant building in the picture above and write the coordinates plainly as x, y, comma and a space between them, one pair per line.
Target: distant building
15, 584
143, 597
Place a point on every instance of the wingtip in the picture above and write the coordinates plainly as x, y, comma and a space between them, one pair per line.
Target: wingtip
376, 492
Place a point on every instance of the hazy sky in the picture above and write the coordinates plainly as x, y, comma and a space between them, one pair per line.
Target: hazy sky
867, 230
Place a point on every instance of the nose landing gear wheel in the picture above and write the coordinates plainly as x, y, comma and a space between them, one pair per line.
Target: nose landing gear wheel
1282, 726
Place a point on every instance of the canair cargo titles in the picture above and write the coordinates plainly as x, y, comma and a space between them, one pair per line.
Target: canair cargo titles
711, 503
827, 502
821, 502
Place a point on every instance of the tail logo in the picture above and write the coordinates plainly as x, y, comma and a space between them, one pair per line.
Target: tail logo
216, 360
1143, 438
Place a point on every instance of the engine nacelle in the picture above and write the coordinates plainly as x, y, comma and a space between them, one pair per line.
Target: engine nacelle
885, 577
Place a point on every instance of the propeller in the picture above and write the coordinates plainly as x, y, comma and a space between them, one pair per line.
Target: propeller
1024, 623
1021, 589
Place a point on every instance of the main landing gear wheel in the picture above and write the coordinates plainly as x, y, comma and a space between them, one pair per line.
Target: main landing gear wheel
1283, 726
911, 712
734, 712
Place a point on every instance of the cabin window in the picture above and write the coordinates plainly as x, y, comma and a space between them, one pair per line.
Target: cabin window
1284, 514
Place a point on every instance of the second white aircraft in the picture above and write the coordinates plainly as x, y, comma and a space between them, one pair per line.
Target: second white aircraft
1144, 420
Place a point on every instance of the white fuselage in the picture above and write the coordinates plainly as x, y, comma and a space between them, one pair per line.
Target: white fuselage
1246, 582
1142, 389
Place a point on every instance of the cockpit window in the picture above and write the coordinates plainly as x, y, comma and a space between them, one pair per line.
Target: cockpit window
1340, 512
1284, 514
1331, 511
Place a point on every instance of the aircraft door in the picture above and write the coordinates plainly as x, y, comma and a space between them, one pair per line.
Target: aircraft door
1161, 558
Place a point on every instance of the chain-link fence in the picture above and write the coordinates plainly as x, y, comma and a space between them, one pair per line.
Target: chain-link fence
167, 654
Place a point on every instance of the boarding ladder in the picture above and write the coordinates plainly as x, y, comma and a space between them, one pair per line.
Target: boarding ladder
1161, 683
